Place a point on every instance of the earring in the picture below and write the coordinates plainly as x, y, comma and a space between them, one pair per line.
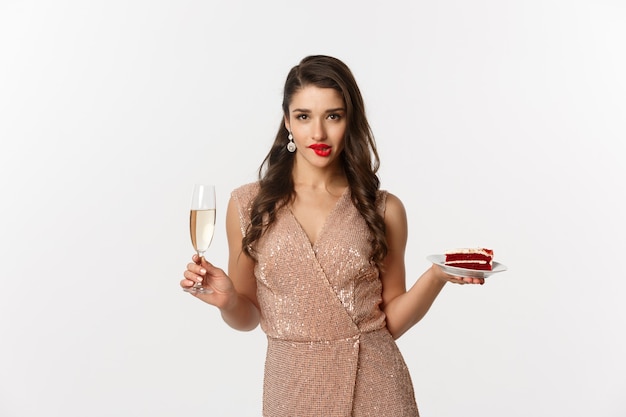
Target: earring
291, 147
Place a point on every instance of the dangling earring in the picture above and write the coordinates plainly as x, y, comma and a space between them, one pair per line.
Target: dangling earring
291, 147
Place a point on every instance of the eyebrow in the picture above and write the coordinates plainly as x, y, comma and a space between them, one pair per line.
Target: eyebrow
326, 111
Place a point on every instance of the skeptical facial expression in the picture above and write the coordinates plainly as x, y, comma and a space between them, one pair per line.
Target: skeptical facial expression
317, 121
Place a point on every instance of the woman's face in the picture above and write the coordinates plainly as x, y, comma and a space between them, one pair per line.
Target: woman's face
317, 121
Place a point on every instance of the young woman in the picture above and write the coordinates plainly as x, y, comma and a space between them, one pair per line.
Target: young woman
317, 258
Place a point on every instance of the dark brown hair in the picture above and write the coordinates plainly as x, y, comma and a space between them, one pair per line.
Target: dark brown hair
359, 158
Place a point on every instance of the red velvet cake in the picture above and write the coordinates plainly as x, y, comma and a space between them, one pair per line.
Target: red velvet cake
470, 258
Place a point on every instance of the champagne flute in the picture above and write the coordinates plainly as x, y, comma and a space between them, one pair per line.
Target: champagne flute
202, 225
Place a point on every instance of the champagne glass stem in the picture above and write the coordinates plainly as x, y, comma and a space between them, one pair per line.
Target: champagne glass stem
200, 286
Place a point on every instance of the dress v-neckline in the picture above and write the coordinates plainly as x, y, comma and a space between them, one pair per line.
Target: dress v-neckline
322, 231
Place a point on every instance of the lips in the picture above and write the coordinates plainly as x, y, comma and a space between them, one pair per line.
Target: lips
320, 149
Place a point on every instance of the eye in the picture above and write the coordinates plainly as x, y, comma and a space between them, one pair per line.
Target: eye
334, 116
302, 116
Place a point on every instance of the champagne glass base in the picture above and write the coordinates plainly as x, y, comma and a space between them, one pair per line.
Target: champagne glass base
198, 289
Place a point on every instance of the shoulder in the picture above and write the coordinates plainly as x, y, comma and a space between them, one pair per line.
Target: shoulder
240, 204
389, 204
244, 194
396, 221
242, 197
246, 189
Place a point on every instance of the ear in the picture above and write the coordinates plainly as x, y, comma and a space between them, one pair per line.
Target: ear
287, 124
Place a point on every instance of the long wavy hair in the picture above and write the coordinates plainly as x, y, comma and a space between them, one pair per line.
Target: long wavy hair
359, 159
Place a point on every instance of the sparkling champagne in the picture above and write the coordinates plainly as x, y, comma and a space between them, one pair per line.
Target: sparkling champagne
201, 226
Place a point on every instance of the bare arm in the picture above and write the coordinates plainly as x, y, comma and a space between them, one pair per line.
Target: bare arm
244, 314
405, 308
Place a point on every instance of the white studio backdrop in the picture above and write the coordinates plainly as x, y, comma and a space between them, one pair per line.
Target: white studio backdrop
499, 123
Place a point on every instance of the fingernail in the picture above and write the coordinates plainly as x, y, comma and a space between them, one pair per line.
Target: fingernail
203, 271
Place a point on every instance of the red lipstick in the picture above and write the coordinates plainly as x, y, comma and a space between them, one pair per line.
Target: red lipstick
320, 149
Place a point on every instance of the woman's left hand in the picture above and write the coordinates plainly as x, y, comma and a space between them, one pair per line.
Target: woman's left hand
456, 279
466, 280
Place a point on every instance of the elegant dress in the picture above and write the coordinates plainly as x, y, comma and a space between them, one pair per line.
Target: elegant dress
329, 351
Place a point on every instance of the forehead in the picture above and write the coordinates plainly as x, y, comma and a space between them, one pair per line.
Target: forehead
311, 97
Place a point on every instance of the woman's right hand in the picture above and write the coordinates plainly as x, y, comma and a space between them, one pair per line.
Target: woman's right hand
200, 270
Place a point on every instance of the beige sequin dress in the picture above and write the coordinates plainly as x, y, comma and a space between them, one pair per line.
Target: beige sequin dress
329, 351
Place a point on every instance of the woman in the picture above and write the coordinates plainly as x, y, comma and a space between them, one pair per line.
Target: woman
317, 258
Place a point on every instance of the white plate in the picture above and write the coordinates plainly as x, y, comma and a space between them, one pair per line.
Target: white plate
464, 272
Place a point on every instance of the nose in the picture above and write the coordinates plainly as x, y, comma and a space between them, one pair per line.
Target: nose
318, 131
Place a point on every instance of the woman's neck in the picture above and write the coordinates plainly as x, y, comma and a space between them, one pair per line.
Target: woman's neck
324, 178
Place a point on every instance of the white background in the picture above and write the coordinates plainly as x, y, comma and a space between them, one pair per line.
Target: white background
500, 123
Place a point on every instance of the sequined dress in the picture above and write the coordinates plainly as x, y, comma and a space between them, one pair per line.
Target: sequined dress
329, 351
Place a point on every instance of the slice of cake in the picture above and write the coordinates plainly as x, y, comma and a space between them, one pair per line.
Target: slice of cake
470, 258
